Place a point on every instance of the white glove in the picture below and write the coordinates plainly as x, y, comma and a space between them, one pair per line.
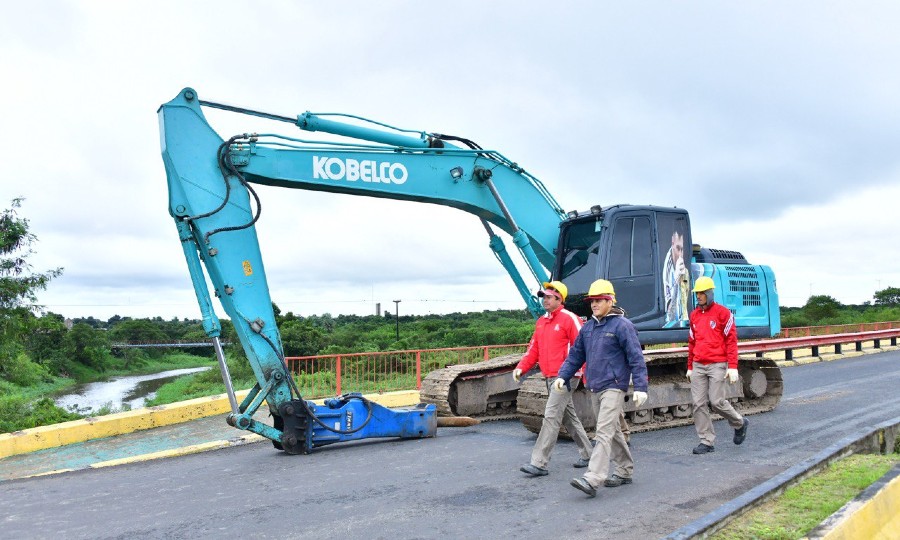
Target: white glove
688, 374
559, 385
639, 398
732, 375
517, 374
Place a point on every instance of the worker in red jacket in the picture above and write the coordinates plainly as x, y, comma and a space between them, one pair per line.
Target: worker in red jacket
554, 333
712, 365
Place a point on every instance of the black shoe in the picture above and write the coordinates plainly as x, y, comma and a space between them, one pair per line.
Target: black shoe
583, 485
616, 481
534, 471
581, 463
741, 432
704, 449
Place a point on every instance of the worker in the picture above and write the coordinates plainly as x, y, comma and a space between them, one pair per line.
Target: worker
609, 348
712, 358
554, 333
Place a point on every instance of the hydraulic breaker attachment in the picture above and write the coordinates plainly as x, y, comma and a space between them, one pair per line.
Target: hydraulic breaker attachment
306, 425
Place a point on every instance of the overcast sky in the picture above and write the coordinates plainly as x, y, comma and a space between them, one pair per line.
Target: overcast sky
776, 124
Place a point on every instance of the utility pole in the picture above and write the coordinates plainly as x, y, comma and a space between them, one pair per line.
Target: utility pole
397, 317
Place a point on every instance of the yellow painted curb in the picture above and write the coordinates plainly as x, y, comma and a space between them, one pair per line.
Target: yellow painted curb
875, 518
40, 438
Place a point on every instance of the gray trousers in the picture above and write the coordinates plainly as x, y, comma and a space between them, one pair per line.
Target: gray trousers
610, 439
559, 410
708, 385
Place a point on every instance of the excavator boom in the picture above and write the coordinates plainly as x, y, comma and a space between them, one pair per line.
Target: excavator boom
216, 209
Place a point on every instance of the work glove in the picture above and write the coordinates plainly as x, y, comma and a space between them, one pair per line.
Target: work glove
639, 398
732, 375
688, 374
560, 384
517, 374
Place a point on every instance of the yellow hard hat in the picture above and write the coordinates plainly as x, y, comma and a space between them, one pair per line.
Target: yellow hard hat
601, 289
703, 284
557, 286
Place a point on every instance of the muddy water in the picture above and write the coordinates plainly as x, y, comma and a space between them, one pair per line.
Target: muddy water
133, 390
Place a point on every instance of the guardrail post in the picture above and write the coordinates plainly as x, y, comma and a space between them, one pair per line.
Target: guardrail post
337, 369
877, 343
837, 348
486, 355
418, 370
893, 342
789, 354
815, 350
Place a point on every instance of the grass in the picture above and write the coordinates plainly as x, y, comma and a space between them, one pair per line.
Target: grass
803, 506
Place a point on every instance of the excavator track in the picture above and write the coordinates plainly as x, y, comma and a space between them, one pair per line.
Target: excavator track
669, 405
485, 390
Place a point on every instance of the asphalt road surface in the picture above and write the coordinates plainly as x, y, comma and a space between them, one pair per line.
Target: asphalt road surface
465, 483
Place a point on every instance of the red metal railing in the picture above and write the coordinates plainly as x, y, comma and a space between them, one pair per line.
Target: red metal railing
837, 329
376, 372
789, 345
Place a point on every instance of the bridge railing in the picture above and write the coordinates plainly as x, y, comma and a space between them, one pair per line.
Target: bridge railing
837, 329
329, 375
373, 372
163, 344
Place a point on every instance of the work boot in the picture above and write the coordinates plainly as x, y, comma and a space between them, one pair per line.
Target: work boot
704, 449
583, 485
741, 432
581, 463
616, 481
532, 470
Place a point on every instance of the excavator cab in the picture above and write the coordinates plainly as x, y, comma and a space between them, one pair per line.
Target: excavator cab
641, 250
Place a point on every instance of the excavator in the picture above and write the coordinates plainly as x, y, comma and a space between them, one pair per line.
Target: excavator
639, 248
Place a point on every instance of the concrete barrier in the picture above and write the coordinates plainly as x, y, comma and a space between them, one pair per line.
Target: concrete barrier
879, 439
40, 438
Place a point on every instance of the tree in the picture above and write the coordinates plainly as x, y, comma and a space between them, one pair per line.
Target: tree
888, 297
137, 331
87, 346
18, 294
301, 338
820, 307
18, 285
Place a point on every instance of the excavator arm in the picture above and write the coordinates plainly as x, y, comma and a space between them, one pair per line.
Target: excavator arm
215, 208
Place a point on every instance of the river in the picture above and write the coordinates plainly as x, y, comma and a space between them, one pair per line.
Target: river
117, 392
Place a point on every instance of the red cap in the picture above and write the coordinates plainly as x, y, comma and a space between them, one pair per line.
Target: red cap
550, 292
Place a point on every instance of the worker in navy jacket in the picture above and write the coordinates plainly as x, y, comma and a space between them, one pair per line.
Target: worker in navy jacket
609, 349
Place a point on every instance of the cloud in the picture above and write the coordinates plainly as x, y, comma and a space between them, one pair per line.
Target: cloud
774, 124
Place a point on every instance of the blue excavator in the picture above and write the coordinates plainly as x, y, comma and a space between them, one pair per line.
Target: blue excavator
641, 249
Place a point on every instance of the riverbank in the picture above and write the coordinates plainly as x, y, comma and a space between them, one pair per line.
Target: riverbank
33, 406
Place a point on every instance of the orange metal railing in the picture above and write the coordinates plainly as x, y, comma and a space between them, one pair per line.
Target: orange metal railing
808, 331
376, 372
334, 374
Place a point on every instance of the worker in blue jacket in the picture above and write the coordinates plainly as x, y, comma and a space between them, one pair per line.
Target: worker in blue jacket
609, 348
